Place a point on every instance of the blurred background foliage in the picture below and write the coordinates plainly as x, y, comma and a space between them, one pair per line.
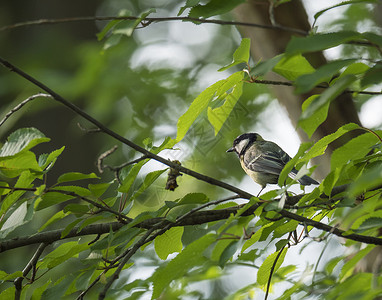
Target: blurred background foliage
138, 88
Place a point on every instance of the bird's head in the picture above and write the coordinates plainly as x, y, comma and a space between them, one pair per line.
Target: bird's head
242, 142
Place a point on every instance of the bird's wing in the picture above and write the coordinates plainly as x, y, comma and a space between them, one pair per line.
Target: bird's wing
268, 157
267, 162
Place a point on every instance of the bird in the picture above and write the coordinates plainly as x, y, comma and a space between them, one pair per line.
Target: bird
263, 160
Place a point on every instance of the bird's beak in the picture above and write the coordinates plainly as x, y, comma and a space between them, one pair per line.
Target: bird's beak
232, 149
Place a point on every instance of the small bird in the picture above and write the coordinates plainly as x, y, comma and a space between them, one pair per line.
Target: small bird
263, 160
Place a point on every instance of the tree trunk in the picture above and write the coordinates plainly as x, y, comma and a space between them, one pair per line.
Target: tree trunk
266, 44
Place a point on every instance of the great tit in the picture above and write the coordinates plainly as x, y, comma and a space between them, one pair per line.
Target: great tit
263, 160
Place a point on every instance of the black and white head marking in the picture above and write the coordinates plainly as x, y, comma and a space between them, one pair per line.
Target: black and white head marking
242, 142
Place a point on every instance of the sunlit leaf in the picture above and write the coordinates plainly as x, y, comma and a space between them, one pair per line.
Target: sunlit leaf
265, 269
191, 256
219, 115
356, 148
22, 140
326, 97
169, 242
292, 67
61, 254
316, 119
241, 55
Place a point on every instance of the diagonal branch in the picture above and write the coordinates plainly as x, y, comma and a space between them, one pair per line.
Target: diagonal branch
31, 265
123, 140
199, 217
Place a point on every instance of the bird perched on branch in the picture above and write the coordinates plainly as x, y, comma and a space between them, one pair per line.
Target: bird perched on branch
263, 160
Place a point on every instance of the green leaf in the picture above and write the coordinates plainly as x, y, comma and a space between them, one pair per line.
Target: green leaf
372, 76
194, 198
24, 181
149, 180
305, 83
320, 147
370, 179
130, 177
373, 37
91, 220
127, 27
329, 267
23, 161
69, 227
356, 148
99, 189
61, 254
78, 190
330, 180
37, 293
112, 23
241, 55
255, 237
15, 220
178, 267
349, 265
196, 108
290, 164
3, 188
218, 116
77, 209
318, 117
56, 217
292, 67
51, 198
318, 42
285, 228
169, 242
264, 271
213, 8
228, 252
318, 14
7, 277
355, 69
264, 67
48, 160
8, 293
189, 4
326, 97
74, 176
21, 141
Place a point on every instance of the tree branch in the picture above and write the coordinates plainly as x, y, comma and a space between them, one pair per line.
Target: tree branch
196, 218
21, 104
149, 20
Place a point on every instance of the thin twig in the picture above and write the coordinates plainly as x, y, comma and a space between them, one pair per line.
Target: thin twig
21, 104
287, 83
103, 156
273, 269
147, 21
31, 265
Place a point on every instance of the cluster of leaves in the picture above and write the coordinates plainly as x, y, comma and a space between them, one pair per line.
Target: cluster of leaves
104, 237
